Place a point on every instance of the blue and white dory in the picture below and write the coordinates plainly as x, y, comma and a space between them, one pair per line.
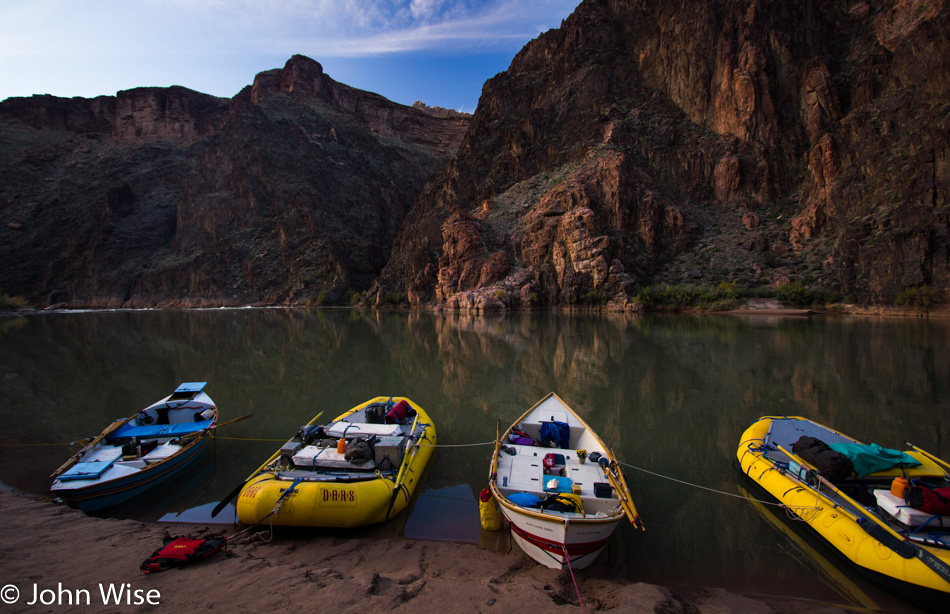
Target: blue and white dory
135, 454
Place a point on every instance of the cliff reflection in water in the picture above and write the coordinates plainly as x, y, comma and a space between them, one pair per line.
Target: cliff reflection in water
669, 394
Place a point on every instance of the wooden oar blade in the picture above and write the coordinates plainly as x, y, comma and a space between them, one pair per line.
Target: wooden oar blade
224, 502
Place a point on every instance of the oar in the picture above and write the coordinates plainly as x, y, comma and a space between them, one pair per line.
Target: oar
113, 426
407, 459
221, 504
494, 458
623, 493
929, 455
215, 426
873, 525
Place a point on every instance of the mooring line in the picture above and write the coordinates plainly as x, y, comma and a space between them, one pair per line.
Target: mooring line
719, 492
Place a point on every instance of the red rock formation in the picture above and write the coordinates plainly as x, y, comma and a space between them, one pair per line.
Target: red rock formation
640, 131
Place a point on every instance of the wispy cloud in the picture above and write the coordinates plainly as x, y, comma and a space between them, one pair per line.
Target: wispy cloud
329, 28
357, 28
97, 46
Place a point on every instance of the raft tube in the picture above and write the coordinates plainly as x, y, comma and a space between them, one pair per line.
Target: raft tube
343, 498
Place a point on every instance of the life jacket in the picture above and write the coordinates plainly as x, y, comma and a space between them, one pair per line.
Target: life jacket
930, 500
563, 502
179, 551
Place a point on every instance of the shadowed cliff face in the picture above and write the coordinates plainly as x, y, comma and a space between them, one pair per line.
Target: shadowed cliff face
697, 141
290, 192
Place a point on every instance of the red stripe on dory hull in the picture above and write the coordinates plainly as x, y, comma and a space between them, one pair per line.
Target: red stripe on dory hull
575, 550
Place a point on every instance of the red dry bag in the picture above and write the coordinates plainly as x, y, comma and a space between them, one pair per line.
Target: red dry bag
397, 413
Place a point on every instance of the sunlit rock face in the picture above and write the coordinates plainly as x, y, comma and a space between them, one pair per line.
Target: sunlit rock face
647, 143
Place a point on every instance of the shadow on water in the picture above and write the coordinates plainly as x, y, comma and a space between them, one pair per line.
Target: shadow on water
671, 395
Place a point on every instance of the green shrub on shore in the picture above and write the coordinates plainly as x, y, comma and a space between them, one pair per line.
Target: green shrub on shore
728, 295
921, 297
724, 296
12, 302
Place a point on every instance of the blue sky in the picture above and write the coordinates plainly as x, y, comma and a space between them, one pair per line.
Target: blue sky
437, 51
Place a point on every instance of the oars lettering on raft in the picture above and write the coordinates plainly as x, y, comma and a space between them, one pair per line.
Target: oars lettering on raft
876, 528
221, 504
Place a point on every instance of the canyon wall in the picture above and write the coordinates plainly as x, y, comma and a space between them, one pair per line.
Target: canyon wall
696, 142
291, 192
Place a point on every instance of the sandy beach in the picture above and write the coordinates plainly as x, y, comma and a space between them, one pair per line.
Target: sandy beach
54, 554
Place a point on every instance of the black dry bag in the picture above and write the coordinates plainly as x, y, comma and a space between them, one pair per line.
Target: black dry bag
833, 466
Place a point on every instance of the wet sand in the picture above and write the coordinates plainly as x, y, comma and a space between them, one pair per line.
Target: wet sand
49, 547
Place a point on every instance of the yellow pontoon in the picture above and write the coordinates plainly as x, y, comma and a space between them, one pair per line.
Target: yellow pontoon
906, 550
361, 468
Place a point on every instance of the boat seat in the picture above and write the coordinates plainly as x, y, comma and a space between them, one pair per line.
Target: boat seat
354, 429
104, 454
313, 457
524, 473
898, 508
586, 475
161, 452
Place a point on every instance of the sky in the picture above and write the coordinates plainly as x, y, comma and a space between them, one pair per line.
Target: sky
436, 51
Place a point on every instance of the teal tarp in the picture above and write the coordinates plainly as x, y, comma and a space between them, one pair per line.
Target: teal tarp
871, 458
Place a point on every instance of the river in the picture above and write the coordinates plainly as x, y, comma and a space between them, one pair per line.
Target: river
670, 394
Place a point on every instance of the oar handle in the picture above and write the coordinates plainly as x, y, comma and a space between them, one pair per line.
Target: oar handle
935, 459
216, 426
623, 492
494, 458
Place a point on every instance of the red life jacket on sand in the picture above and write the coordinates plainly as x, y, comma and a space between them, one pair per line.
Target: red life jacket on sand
179, 551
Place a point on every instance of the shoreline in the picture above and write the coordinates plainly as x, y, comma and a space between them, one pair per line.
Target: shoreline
56, 552
769, 309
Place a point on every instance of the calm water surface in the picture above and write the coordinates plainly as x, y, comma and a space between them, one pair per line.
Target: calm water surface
671, 395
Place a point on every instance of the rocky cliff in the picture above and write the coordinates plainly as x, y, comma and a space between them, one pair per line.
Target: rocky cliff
292, 191
698, 141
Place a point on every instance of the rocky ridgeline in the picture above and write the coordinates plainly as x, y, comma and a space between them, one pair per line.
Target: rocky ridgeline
696, 142
292, 191
642, 143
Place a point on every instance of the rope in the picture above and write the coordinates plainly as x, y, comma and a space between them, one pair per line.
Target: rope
247, 438
12, 445
455, 445
719, 492
567, 557
280, 501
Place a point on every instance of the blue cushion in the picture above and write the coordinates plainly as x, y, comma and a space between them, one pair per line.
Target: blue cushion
524, 499
85, 471
158, 430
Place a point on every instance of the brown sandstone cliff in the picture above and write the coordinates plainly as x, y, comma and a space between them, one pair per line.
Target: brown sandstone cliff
290, 192
697, 141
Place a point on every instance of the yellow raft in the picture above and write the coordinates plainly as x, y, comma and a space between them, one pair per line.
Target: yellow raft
315, 481
907, 551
